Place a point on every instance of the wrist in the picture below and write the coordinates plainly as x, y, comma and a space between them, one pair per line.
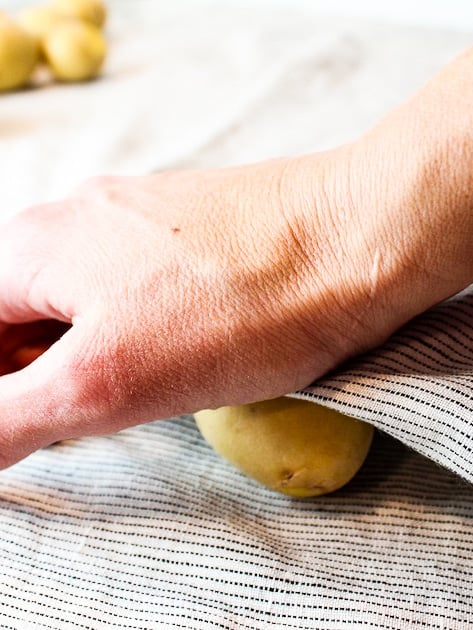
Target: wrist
388, 233
414, 191
421, 166
344, 285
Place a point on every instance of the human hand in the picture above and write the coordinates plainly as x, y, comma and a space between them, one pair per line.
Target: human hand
163, 294
166, 294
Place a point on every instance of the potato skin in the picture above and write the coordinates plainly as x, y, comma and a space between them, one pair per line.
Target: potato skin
38, 20
290, 445
19, 54
74, 50
93, 11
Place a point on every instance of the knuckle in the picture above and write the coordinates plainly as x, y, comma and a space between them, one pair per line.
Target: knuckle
29, 224
25, 220
20, 238
25, 241
99, 186
170, 174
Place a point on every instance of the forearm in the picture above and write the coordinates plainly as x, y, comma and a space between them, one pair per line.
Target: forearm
390, 221
422, 173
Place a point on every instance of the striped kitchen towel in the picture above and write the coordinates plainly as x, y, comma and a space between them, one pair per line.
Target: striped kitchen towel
418, 387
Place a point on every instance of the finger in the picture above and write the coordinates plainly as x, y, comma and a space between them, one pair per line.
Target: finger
42, 403
29, 278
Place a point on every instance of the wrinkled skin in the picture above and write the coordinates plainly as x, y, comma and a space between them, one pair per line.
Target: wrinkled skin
178, 291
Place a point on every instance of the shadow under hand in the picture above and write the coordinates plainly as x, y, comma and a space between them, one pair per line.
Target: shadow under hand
21, 344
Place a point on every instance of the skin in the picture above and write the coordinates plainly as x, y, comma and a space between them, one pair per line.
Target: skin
180, 291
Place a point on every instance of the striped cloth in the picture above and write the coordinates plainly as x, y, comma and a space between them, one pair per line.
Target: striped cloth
151, 529
418, 386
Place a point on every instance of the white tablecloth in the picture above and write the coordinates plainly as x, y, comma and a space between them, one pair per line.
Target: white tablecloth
149, 528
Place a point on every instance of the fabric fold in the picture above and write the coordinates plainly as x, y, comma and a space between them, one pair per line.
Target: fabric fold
417, 387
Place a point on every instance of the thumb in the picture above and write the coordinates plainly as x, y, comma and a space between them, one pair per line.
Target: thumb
41, 403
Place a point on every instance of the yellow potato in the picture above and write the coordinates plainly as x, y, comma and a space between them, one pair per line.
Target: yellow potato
93, 11
19, 54
38, 20
293, 446
74, 50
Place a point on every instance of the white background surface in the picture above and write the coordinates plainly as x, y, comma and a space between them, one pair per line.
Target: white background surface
455, 14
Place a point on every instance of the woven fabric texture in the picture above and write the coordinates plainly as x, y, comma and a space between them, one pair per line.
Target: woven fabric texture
418, 386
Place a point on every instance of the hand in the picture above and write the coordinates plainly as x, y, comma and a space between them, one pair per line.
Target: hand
143, 298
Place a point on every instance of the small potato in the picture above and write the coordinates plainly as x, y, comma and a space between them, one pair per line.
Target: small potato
74, 50
293, 446
38, 20
19, 54
93, 11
